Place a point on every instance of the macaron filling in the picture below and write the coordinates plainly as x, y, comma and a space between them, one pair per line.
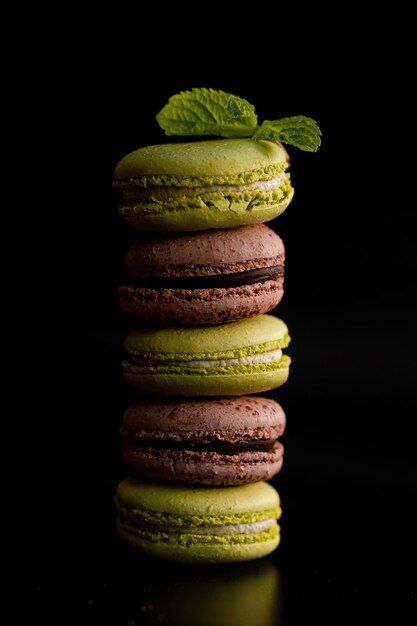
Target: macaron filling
216, 281
153, 526
254, 527
178, 522
219, 447
186, 539
231, 198
132, 192
264, 358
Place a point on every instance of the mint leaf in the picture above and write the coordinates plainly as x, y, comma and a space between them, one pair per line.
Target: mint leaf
299, 131
207, 112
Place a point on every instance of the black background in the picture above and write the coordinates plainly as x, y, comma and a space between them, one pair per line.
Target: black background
349, 481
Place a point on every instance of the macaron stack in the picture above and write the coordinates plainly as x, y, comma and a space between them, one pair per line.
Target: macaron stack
201, 279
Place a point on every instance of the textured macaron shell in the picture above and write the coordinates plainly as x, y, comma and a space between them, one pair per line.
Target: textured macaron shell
203, 468
202, 306
183, 187
247, 261
177, 343
182, 548
162, 358
208, 161
206, 253
216, 418
168, 521
218, 209
182, 505
221, 441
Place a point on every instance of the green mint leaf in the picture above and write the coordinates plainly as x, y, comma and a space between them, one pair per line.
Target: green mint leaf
207, 112
299, 131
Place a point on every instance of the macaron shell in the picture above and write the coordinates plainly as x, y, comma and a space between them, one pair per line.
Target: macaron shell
203, 468
201, 306
213, 211
241, 414
239, 335
212, 250
214, 157
210, 385
202, 501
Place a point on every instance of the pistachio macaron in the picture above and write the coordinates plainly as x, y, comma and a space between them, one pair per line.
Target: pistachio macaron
198, 524
217, 183
243, 357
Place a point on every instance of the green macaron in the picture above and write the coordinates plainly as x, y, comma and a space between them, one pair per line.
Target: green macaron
218, 183
198, 525
242, 357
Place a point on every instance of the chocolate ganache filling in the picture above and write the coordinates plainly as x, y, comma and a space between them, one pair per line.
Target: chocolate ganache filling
238, 279
221, 447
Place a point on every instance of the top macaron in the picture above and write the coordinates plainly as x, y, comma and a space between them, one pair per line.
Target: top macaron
200, 185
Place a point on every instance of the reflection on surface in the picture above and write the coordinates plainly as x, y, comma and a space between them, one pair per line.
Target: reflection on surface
244, 594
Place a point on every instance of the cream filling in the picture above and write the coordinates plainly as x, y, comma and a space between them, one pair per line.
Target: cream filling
260, 185
264, 357
236, 529
166, 192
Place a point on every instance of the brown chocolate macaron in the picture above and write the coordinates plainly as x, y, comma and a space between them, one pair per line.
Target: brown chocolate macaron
206, 277
216, 441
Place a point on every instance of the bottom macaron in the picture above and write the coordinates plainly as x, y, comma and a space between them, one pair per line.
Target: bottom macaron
198, 525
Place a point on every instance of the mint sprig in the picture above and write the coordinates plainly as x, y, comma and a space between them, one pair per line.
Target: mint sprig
215, 112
